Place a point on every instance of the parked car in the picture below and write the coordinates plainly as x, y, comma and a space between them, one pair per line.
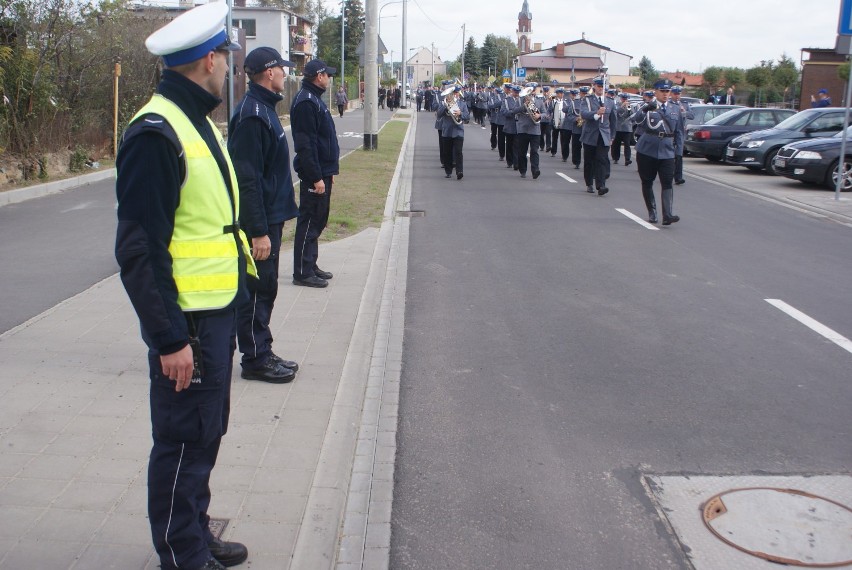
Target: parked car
757, 149
817, 160
710, 139
703, 113
691, 100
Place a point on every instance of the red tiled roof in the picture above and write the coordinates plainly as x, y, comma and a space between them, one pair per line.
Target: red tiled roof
692, 79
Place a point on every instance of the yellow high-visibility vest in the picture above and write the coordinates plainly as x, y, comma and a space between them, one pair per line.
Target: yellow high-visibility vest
205, 258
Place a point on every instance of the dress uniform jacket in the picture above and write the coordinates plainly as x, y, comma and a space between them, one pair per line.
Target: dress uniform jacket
605, 125
576, 105
623, 123
449, 128
684, 113
656, 131
510, 127
558, 113
525, 123
494, 105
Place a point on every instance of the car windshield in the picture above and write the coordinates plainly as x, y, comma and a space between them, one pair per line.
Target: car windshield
795, 122
723, 118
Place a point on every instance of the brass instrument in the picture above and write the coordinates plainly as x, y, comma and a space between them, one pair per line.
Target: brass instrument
453, 110
530, 108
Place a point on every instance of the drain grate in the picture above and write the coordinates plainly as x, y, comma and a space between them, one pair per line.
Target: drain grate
218, 526
411, 213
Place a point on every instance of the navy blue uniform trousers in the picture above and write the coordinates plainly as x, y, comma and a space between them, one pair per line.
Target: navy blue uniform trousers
187, 427
254, 315
313, 217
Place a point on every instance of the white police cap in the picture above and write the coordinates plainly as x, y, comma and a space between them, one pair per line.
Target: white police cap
192, 35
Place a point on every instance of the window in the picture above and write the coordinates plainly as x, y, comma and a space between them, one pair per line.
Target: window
762, 119
826, 123
249, 25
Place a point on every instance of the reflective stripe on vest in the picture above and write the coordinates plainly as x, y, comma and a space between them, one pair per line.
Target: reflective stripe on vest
205, 262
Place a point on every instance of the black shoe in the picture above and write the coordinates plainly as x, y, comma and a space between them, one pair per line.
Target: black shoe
271, 371
652, 219
228, 553
502, 158
447, 175
322, 275
312, 281
628, 162
211, 564
615, 161
576, 167
552, 155
536, 174
564, 160
515, 167
590, 190
523, 174
294, 366
602, 190
681, 181
459, 175
670, 221
508, 166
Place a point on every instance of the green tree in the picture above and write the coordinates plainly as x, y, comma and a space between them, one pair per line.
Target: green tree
540, 75
760, 77
507, 51
733, 76
713, 78
843, 71
471, 60
647, 71
785, 77
489, 55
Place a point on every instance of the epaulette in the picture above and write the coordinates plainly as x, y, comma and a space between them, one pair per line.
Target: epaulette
152, 123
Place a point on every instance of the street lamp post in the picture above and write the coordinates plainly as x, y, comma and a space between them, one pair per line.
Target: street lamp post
342, 44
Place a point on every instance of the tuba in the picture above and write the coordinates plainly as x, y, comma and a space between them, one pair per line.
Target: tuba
450, 103
529, 105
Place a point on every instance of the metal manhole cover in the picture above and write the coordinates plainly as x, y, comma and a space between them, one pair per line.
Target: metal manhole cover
782, 525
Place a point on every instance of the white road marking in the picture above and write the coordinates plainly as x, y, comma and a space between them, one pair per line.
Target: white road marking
82, 206
566, 177
812, 324
637, 219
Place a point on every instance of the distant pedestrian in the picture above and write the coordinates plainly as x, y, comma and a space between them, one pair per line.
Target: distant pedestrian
341, 100
316, 163
821, 100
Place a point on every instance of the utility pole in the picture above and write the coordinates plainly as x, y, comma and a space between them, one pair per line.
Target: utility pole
432, 83
462, 57
371, 75
404, 57
342, 44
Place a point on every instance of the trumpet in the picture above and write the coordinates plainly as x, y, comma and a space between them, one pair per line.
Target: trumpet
530, 108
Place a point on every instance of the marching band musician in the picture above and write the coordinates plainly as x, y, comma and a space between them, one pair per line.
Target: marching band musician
546, 125
598, 113
685, 113
577, 133
558, 115
510, 128
439, 122
529, 130
495, 101
452, 131
566, 130
657, 120
623, 130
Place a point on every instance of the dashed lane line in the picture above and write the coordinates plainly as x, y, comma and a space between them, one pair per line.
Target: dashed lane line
566, 177
812, 324
637, 219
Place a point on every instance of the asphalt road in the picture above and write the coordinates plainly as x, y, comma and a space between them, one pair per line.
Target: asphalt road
57, 246
556, 350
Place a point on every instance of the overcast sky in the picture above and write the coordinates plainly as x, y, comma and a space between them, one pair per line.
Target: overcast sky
674, 34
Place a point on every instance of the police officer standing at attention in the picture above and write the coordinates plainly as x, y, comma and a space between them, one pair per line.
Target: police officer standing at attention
599, 118
684, 113
183, 264
316, 163
261, 159
656, 122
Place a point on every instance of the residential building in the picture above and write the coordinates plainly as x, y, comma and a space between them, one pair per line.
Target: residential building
424, 65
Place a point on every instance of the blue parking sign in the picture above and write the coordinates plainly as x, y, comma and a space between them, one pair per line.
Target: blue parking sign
844, 26
522, 71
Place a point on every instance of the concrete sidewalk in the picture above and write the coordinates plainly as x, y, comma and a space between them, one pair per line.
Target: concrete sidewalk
75, 429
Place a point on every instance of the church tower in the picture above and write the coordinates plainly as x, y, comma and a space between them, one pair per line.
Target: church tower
524, 30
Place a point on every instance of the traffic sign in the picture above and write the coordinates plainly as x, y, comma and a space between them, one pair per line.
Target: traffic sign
507, 73
844, 26
522, 71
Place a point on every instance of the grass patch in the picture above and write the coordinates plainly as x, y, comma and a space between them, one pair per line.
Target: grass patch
360, 190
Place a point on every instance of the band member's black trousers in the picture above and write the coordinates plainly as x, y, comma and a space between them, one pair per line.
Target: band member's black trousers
565, 141
595, 163
441, 149
453, 153
576, 149
544, 138
501, 142
493, 136
621, 139
524, 142
649, 168
510, 150
678, 169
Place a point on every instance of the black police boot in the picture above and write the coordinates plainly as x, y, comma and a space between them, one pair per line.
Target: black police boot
668, 198
294, 366
312, 281
270, 371
212, 564
590, 190
652, 216
323, 274
602, 190
228, 553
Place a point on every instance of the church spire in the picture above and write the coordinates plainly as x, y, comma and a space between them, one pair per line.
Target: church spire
524, 30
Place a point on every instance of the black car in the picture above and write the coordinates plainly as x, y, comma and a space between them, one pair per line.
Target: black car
710, 139
756, 150
817, 161
703, 113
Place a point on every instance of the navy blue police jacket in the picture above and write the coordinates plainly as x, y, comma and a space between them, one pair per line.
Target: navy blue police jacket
150, 171
261, 158
314, 135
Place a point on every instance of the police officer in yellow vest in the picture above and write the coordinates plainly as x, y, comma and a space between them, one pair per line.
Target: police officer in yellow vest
183, 264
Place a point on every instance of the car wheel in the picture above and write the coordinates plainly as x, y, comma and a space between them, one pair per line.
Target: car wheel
713, 158
831, 177
770, 169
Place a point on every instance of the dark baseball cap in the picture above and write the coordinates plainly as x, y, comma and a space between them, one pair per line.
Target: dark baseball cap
317, 66
264, 58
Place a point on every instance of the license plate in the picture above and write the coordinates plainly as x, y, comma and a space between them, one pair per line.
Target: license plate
780, 162
730, 152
